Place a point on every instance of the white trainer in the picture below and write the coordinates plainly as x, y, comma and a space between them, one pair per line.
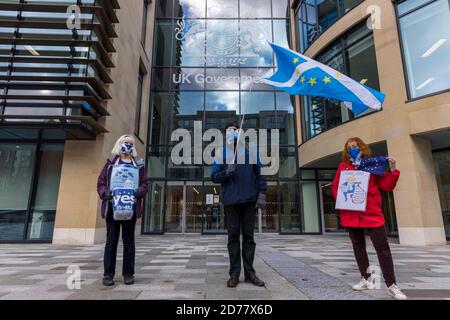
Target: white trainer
364, 284
395, 292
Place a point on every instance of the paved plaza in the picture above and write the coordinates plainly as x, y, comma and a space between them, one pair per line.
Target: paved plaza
196, 267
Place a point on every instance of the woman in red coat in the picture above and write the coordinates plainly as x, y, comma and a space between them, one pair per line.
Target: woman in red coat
372, 219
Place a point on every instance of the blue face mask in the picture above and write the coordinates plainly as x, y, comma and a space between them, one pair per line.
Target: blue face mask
127, 148
354, 152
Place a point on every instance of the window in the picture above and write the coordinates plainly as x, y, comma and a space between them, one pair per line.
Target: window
29, 186
139, 102
144, 23
353, 54
426, 58
315, 16
442, 167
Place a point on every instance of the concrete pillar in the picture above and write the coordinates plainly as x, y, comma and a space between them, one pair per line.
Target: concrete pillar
78, 220
418, 209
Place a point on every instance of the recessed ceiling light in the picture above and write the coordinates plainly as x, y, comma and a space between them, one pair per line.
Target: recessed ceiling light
434, 47
32, 50
425, 83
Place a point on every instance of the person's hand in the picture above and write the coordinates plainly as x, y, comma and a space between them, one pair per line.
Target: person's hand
231, 168
392, 163
261, 201
108, 195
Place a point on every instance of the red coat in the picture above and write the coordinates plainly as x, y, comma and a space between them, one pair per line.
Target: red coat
373, 216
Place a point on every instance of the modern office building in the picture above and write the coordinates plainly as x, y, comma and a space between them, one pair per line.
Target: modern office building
150, 67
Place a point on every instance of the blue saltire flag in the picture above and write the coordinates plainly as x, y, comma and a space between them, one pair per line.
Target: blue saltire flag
297, 74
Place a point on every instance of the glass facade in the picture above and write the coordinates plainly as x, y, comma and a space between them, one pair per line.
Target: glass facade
29, 184
426, 58
315, 16
208, 58
352, 54
442, 166
54, 63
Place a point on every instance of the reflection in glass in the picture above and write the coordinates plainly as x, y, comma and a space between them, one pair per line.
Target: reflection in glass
222, 9
289, 207
43, 210
442, 167
16, 169
155, 208
255, 36
255, 9
427, 58
222, 43
310, 207
163, 43
190, 42
174, 207
190, 8
214, 215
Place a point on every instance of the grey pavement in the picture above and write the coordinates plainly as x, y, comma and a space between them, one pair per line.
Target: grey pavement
298, 267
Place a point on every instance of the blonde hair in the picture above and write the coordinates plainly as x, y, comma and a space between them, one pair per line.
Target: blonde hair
118, 146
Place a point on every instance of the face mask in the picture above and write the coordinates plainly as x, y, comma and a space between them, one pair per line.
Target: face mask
127, 148
354, 152
232, 136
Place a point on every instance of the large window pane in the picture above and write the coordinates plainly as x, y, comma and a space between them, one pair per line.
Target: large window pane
222, 107
222, 9
442, 166
289, 207
427, 58
310, 207
285, 118
189, 48
162, 52
222, 43
43, 210
190, 8
154, 218
255, 36
162, 106
16, 170
255, 9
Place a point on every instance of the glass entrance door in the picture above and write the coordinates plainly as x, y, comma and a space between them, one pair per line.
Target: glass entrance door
331, 220
184, 207
214, 215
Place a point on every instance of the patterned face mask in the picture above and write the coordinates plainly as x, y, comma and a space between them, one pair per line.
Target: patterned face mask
127, 148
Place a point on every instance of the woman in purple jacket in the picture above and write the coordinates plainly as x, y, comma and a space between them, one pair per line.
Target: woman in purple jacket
123, 153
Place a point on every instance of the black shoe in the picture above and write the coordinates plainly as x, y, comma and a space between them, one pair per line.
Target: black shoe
128, 280
255, 280
108, 281
233, 281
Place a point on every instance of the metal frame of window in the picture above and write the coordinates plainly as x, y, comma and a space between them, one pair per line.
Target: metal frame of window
438, 151
400, 37
63, 59
33, 184
166, 147
317, 25
343, 53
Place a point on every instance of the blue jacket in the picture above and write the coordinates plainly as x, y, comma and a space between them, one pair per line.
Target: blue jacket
244, 184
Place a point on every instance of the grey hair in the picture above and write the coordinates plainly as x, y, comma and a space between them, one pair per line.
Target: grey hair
118, 146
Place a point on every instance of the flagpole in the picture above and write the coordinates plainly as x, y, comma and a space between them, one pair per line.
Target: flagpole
242, 119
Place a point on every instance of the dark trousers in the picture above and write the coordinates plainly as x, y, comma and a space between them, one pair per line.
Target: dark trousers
241, 217
381, 245
112, 240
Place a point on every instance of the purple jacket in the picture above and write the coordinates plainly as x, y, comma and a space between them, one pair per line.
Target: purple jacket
103, 186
